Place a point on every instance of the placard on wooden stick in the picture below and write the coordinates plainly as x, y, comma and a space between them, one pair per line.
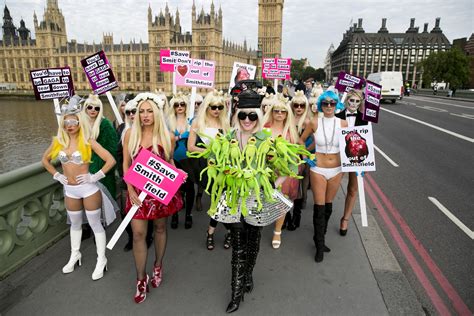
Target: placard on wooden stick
154, 177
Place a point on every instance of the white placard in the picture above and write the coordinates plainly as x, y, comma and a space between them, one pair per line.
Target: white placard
356, 146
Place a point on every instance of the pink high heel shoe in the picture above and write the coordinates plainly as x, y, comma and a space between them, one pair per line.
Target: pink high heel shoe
157, 276
142, 289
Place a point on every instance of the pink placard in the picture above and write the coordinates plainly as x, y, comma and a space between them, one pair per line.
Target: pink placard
170, 58
200, 74
155, 176
276, 68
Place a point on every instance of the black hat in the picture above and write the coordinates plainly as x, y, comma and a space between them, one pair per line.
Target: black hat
248, 99
245, 95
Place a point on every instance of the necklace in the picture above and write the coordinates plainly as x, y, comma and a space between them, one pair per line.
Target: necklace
333, 133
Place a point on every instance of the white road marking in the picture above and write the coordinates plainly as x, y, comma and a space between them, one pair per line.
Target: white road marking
451, 216
464, 115
430, 108
471, 140
443, 103
393, 163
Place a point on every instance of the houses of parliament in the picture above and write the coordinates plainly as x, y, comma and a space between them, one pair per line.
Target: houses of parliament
136, 65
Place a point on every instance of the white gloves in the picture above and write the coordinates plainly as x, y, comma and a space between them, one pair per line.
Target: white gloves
60, 178
90, 178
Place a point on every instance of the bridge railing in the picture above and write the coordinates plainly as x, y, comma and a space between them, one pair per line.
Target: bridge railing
32, 215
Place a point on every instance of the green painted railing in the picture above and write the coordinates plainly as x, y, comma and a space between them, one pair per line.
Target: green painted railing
32, 215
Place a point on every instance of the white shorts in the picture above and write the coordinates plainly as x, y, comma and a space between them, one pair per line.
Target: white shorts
327, 173
80, 191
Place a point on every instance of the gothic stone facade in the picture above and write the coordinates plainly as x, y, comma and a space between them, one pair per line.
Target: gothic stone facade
135, 65
363, 53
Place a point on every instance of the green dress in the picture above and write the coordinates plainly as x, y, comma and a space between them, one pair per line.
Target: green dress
109, 140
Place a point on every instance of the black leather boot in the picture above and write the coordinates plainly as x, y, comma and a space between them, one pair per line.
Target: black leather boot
287, 220
254, 234
295, 223
174, 221
239, 253
318, 225
327, 216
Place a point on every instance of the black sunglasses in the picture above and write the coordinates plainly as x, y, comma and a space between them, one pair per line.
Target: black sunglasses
197, 103
299, 105
133, 111
216, 107
279, 111
181, 104
327, 103
96, 108
252, 116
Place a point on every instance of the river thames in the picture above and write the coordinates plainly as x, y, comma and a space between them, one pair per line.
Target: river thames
27, 130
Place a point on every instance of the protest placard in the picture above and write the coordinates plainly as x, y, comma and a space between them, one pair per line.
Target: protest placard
99, 72
153, 176
276, 68
199, 74
101, 78
170, 58
241, 71
356, 146
373, 94
52, 83
346, 82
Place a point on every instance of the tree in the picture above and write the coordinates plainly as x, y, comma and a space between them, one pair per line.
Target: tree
297, 67
451, 66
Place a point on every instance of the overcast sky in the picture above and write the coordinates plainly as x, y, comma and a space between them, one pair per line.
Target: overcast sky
309, 27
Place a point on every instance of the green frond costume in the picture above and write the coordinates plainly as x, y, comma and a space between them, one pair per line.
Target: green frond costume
107, 139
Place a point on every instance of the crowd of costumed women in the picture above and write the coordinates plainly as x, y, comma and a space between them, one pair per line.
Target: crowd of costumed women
255, 154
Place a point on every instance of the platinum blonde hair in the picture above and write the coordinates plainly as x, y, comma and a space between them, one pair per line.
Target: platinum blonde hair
212, 98
300, 98
289, 127
171, 111
160, 133
94, 100
128, 122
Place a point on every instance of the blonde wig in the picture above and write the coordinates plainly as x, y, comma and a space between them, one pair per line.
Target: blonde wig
236, 122
289, 128
94, 100
128, 122
62, 139
300, 98
162, 95
267, 102
161, 134
171, 111
213, 98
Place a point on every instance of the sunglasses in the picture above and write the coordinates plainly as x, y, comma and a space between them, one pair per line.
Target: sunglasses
279, 111
71, 122
328, 103
354, 100
96, 108
181, 104
197, 103
252, 116
299, 105
216, 107
129, 112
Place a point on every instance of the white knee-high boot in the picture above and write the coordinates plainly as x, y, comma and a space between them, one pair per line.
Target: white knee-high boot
93, 216
76, 256
100, 242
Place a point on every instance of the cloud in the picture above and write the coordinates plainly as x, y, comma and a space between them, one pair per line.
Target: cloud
309, 27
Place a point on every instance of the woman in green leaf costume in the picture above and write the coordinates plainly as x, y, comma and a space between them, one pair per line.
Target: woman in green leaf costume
245, 165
